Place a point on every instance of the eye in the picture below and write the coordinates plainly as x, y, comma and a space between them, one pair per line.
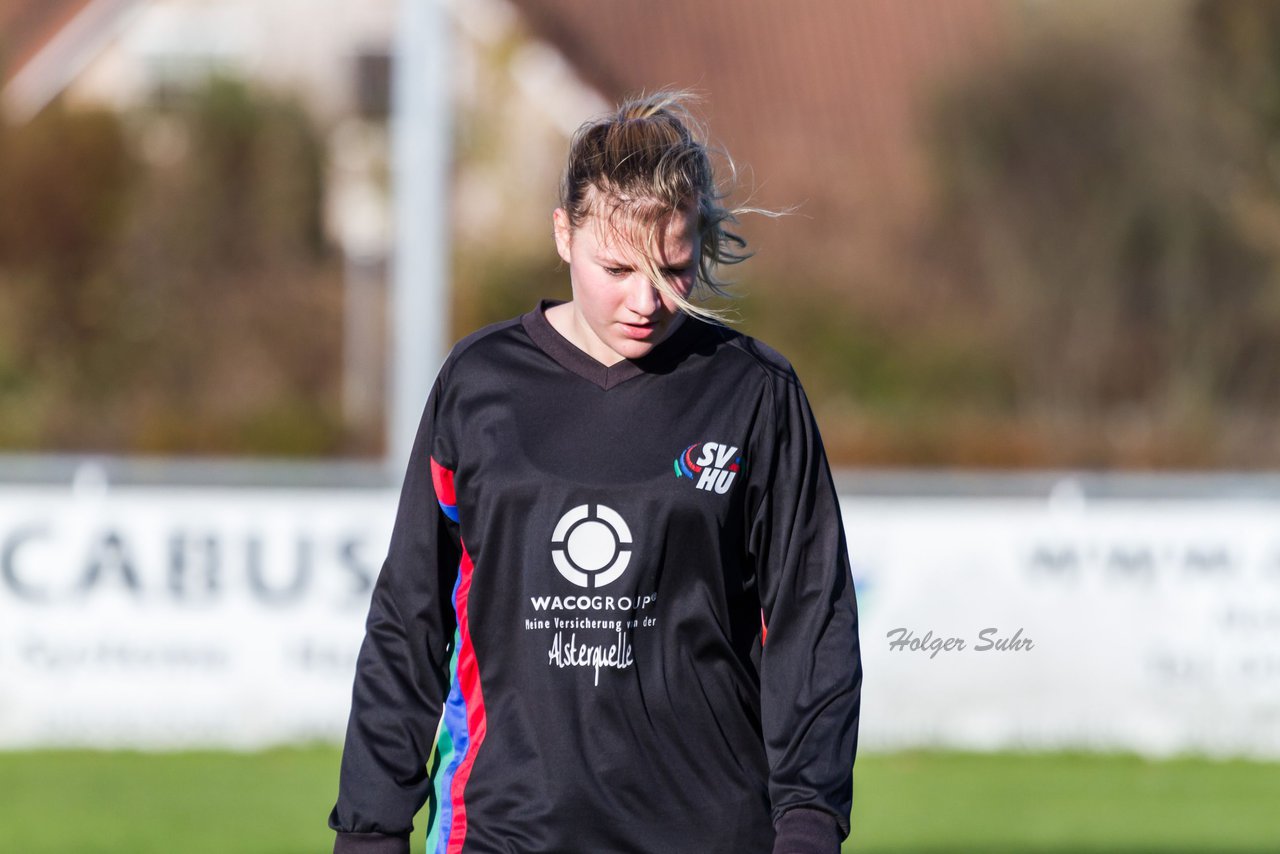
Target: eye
617, 272
675, 272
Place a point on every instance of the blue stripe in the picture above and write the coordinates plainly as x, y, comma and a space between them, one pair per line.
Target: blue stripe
450, 510
455, 722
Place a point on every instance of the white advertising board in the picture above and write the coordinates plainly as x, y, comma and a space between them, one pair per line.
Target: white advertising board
1151, 626
168, 617
183, 617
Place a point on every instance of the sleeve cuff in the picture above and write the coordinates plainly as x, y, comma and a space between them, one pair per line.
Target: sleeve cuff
807, 831
371, 843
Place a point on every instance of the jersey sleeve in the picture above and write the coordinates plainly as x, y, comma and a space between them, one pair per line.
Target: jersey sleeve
402, 672
810, 665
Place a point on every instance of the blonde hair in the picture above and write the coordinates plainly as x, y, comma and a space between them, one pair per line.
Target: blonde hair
646, 161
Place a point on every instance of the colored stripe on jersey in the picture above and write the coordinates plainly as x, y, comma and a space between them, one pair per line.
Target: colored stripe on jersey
456, 739
442, 480
441, 759
473, 700
464, 714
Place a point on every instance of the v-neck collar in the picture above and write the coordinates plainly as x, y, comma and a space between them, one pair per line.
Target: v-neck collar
571, 358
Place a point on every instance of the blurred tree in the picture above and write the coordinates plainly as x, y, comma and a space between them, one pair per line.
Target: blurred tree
1239, 42
1091, 205
65, 179
172, 276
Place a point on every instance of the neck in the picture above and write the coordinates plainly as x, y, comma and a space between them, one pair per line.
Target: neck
566, 320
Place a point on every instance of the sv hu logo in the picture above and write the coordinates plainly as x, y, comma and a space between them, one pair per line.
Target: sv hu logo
591, 545
713, 468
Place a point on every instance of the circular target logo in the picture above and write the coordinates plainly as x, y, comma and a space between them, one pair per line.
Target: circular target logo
591, 545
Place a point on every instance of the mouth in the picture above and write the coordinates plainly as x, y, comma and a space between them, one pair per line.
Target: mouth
639, 331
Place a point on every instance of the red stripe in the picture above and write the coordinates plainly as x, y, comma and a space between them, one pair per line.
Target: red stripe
764, 630
469, 680
442, 480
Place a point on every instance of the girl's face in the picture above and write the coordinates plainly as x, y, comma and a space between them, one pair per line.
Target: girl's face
618, 313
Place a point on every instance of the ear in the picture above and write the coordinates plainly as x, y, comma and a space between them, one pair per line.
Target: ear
563, 231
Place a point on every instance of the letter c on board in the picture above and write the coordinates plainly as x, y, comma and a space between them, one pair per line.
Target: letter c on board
9, 563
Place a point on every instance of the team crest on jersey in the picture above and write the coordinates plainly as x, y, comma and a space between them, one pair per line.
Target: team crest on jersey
712, 466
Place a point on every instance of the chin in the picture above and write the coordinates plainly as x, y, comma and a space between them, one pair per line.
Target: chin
631, 349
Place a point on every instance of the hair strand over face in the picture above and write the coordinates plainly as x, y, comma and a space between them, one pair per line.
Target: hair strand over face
637, 166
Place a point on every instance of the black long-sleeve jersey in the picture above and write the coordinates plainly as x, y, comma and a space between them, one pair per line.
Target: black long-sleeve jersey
626, 592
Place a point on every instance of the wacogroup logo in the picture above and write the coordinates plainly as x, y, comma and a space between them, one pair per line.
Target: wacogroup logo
714, 467
591, 545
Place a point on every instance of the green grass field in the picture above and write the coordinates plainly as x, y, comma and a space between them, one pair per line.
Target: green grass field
926, 803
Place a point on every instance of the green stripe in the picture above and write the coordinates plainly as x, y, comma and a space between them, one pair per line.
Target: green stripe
439, 762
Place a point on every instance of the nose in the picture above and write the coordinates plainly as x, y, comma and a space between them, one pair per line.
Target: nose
643, 296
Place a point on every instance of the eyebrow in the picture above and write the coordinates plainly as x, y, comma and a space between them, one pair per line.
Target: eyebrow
610, 261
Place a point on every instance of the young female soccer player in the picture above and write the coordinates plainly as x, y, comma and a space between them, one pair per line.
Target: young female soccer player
618, 579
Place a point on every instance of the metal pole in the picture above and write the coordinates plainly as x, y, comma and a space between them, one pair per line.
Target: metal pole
419, 302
